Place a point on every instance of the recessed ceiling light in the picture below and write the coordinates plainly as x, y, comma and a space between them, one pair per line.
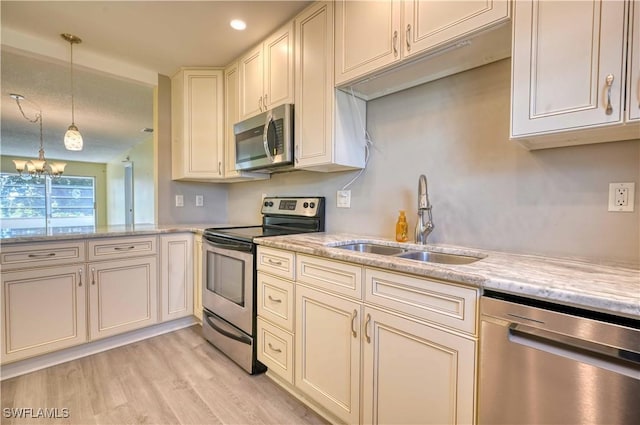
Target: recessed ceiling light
237, 24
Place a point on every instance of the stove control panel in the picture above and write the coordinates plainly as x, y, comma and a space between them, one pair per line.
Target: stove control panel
305, 207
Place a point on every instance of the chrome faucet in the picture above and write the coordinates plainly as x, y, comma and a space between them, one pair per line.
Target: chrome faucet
423, 229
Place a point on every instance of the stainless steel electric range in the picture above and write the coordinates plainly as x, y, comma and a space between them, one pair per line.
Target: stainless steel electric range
229, 274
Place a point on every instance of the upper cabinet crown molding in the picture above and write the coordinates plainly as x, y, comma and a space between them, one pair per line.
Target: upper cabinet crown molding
568, 86
266, 73
390, 45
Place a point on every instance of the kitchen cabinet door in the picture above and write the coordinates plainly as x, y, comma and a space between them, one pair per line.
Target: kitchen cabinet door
197, 125
329, 124
428, 25
567, 65
122, 296
197, 277
327, 351
367, 37
414, 373
251, 89
278, 67
43, 310
176, 276
633, 64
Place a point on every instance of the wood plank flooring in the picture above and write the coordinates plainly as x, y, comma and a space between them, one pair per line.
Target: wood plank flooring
176, 378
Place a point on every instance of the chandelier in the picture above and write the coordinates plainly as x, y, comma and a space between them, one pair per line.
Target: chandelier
72, 138
36, 168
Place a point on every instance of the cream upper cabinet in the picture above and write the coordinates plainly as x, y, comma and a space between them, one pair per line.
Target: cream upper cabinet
197, 124
327, 352
367, 37
414, 373
43, 310
569, 78
633, 97
122, 295
374, 35
231, 117
329, 124
176, 276
266, 74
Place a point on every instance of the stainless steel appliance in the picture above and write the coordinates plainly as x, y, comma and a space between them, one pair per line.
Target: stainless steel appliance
229, 273
543, 363
265, 142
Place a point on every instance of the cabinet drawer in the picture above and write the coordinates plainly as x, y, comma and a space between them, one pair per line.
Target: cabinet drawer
275, 349
276, 262
275, 300
106, 249
22, 256
342, 278
438, 302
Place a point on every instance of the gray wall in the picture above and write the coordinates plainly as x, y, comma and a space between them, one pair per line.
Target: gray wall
487, 192
215, 195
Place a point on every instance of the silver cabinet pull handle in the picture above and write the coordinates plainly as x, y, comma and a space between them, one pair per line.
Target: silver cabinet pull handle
609, 82
408, 37
277, 350
275, 300
50, 254
260, 103
295, 153
219, 167
124, 248
274, 262
395, 43
93, 276
264, 101
80, 273
353, 323
366, 326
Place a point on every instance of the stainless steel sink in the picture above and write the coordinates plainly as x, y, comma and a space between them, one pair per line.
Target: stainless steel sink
373, 248
438, 257
395, 251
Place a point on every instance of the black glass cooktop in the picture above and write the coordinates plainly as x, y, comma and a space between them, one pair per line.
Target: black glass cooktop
250, 232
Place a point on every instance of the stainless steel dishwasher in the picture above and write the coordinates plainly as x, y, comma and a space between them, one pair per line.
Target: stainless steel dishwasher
543, 363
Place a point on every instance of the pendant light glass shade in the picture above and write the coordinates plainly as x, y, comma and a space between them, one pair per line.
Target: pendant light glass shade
73, 139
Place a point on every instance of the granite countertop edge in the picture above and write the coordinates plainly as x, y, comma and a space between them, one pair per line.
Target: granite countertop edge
604, 288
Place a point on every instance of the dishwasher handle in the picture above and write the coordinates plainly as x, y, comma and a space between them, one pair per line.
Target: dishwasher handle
615, 359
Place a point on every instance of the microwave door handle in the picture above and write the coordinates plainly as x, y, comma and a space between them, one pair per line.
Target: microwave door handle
265, 137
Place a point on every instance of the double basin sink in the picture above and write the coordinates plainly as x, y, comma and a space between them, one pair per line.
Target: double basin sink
410, 254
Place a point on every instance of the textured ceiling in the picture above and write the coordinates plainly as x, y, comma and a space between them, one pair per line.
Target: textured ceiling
154, 36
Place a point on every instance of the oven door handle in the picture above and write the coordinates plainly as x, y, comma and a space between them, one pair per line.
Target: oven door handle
231, 246
238, 337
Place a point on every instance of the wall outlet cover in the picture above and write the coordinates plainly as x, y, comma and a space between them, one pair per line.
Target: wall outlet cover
199, 200
343, 199
621, 197
179, 201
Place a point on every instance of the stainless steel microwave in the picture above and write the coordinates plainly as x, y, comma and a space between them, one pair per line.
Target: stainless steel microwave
265, 142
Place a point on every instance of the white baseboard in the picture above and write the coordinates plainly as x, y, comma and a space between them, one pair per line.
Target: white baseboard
46, 360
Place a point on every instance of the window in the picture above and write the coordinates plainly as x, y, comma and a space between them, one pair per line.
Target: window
55, 206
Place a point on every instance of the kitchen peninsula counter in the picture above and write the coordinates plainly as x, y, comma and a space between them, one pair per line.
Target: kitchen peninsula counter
613, 289
42, 235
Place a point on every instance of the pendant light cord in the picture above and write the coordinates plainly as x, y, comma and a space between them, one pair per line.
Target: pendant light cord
73, 119
37, 119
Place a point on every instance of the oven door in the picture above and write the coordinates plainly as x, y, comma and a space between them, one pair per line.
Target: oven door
227, 288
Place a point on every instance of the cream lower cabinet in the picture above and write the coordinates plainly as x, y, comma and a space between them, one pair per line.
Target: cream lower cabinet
43, 310
414, 373
122, 296
327, 354
197, 276
176, 276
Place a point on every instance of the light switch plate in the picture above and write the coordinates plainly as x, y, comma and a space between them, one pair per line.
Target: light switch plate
621, 197
179, 201
199, 200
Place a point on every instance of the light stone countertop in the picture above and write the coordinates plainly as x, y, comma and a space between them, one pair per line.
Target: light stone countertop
604, 288
42, 235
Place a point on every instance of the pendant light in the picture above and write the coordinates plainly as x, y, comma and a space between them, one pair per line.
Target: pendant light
72, 138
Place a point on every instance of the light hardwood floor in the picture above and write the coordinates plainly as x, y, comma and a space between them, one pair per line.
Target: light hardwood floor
176, 378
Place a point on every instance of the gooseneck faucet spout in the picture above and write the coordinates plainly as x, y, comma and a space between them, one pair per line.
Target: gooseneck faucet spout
423, 229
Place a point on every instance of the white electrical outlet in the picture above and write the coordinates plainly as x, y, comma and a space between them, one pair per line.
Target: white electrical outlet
621, 196
344, 199
179, 201
199, 200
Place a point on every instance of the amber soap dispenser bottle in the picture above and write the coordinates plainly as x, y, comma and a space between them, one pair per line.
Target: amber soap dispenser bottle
402, 228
